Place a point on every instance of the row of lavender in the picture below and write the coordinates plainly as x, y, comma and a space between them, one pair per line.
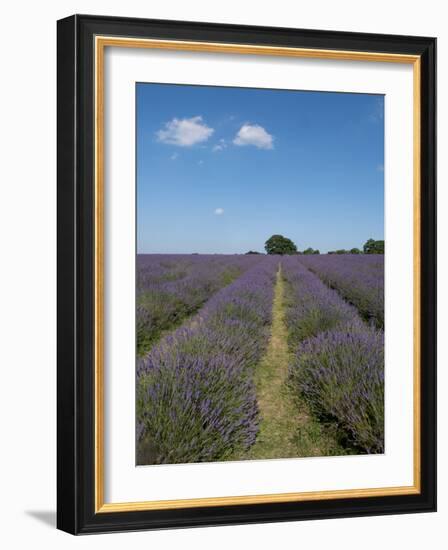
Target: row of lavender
337, 361
358, 278
196, 398
172, 287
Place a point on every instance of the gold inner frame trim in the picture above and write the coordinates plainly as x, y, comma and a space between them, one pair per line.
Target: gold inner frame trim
101, 42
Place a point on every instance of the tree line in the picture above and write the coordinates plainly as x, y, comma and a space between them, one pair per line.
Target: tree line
278, 244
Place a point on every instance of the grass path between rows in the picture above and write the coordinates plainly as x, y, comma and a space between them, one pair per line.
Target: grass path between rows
286, 429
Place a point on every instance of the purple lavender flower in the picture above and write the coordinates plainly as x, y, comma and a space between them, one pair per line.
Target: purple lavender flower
340, 373
173, 287
338, 359
358, 278
195, 394
312, 307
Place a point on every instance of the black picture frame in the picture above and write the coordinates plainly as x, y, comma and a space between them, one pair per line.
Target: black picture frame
76, 271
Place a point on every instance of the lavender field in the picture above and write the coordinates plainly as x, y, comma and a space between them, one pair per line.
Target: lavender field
259, 356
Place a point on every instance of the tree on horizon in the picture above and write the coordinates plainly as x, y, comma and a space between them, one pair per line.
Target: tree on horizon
278, 244
373, 247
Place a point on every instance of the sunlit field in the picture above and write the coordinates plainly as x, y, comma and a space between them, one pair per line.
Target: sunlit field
259, 356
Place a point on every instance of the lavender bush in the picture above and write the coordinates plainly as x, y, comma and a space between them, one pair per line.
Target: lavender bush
172, 287
341, 375
312, 307
358, 278
196, 398
337, 363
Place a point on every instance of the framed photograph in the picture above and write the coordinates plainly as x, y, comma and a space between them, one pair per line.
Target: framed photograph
246, 274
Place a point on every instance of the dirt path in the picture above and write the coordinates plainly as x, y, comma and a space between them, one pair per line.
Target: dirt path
286, 428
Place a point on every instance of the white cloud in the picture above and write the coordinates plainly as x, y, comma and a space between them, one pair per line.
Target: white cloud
184, 132
253, 134
219, 146
219, 211
174, 156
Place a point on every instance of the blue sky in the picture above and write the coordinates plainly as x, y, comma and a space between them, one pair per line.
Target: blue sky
219, 170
